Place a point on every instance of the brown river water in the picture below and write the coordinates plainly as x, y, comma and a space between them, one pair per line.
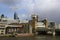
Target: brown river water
40, 37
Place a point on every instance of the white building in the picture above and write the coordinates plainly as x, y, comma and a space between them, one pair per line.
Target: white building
2, 29
58, 26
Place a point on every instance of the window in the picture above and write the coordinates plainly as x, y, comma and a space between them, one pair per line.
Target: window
1, 33
0, 19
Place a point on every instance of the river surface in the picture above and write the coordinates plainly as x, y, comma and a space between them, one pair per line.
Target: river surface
40, 37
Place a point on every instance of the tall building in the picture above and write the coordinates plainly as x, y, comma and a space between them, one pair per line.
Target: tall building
2, 16
16, 16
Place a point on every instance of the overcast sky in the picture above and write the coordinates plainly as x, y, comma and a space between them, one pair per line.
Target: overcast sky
44, 8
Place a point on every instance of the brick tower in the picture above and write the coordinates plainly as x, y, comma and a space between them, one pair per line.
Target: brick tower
34, 22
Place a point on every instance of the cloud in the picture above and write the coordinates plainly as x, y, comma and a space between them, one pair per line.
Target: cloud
32, 4
46, 4
24, 16
13, 4
18, 4
45, 8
